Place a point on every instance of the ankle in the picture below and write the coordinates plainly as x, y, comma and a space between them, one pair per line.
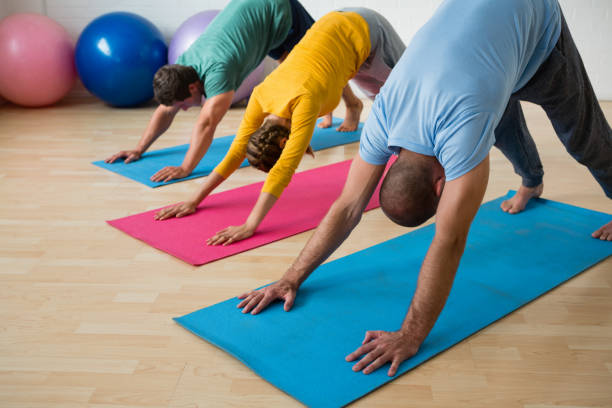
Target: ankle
535, 191
354, 104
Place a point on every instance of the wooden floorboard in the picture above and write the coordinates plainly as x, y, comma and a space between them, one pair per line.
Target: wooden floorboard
85, 311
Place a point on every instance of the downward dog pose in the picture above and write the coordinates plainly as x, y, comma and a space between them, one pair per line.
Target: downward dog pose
307, 85
447, 102
214, 66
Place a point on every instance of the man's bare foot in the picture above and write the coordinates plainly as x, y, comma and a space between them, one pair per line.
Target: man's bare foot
517, 203
326, 122
351, 120
604, 233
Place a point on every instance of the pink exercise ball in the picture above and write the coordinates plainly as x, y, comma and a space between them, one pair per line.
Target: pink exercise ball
37, 60
189, 31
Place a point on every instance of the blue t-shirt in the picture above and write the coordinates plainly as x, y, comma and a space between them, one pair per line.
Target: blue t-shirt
447, 93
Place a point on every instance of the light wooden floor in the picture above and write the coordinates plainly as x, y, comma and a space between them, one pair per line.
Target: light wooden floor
85, 311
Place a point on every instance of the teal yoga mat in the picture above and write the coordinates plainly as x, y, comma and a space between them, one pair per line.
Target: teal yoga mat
509, 261
153, 161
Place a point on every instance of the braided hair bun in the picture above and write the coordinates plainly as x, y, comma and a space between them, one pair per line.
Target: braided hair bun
266, 145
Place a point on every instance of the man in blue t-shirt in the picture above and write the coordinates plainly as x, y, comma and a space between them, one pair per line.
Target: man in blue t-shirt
452, 96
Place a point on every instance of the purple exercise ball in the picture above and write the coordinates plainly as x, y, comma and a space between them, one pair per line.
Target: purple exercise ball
189, 31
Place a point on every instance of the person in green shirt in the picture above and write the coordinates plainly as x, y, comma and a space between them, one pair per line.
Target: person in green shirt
214, 66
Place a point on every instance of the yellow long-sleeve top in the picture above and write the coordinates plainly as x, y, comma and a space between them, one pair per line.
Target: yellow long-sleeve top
308, 84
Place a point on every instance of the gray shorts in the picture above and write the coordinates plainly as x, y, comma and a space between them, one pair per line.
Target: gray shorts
386, 49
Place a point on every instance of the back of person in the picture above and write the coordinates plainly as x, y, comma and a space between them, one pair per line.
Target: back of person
451, 86
324, 60
236, 41
492, 46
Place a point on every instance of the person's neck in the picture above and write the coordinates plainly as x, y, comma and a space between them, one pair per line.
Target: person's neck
438, 170
277, 120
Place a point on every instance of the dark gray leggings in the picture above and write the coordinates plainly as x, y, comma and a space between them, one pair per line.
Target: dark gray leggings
561, 86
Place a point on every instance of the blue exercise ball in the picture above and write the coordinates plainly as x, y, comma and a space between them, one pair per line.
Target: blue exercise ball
117, 56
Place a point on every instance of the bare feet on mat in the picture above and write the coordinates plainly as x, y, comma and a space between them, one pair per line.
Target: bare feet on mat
517, 203
604, 233
326, 122
351, 121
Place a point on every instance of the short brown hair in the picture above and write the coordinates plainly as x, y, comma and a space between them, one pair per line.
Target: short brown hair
266, 145
171, 83
407, 194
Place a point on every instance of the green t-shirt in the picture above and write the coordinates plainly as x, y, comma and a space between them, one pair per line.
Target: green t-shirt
236, 41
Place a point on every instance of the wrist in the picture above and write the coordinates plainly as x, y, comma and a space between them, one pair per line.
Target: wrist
292, 278
413, 329
192, 203
250, 226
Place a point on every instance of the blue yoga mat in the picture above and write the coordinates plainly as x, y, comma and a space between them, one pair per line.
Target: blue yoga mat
153, 161
509, 261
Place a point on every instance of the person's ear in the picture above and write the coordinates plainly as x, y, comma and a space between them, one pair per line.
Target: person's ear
194, 88
282, 142
439, 185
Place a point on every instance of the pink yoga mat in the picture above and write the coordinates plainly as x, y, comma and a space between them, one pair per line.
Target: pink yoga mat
300, 208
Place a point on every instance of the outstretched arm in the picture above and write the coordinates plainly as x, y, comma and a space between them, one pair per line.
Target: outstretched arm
234, 233
335, 227
302, 125
160, 122
458, 205
201, 137
232, 160
190, 206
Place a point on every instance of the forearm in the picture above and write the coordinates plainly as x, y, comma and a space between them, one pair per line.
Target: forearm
159, 123
344, 214
212, 181
264, 204
201, 140
434, 285
253, 118
333, 230
202, 135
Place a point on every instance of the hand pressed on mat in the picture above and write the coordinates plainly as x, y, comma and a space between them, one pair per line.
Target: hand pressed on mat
178, 210
257, 300
381, 347
170, 173
604, 233
128, 156
231, 234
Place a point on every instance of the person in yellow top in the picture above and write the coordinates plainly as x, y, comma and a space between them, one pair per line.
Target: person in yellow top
353, 43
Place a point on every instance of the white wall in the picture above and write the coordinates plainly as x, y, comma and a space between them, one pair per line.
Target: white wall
590, 20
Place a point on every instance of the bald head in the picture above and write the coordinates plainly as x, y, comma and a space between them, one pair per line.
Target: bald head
409, 194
